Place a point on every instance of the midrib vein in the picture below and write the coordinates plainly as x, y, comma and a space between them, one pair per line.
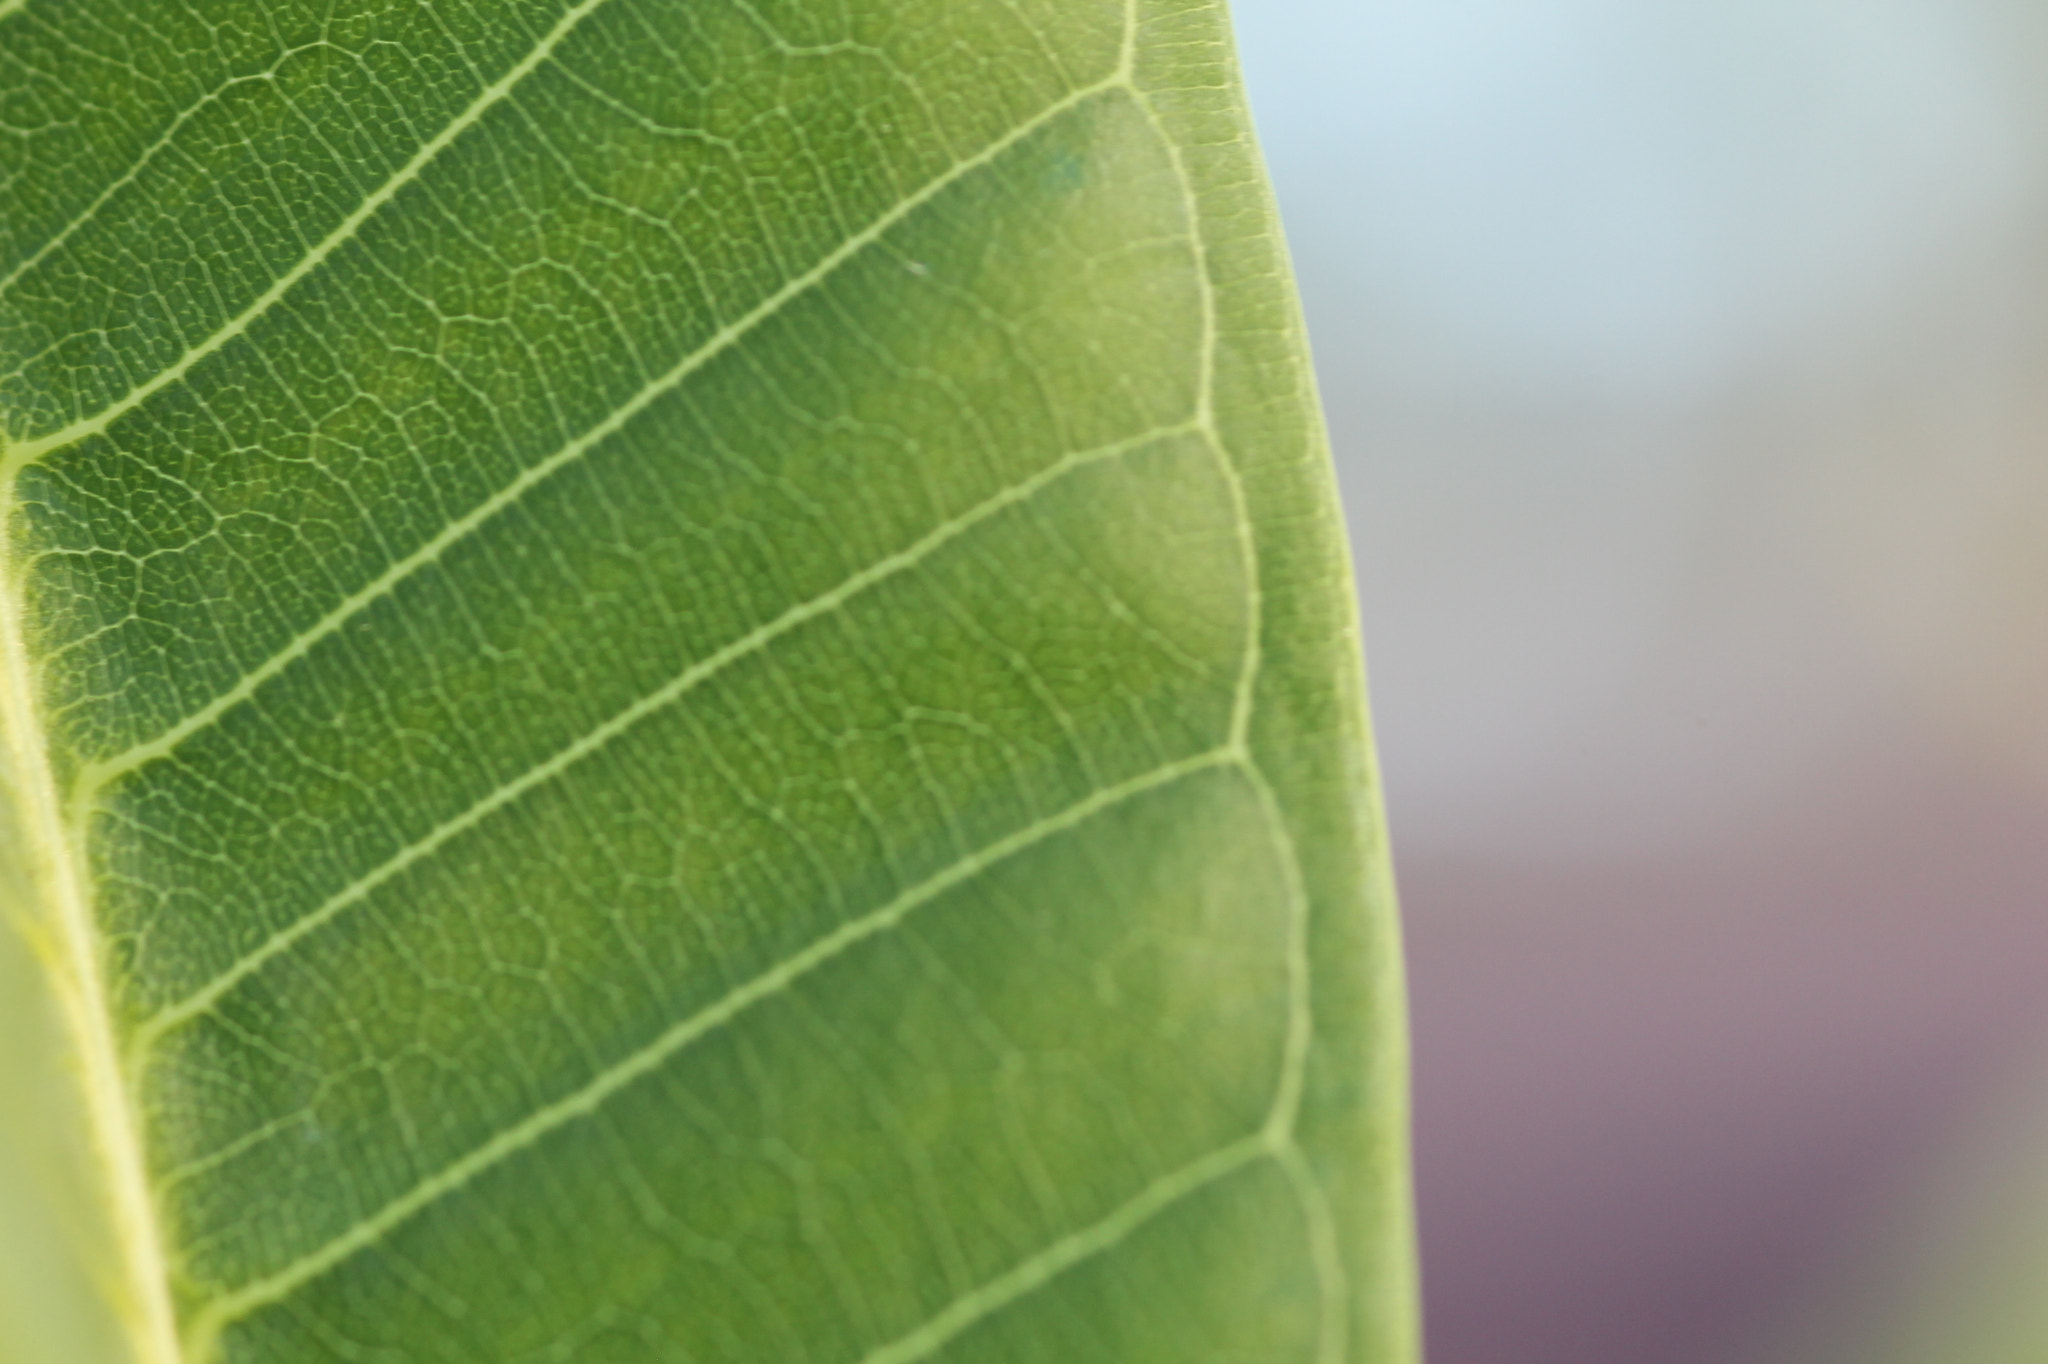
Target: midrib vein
56, 873
326, 247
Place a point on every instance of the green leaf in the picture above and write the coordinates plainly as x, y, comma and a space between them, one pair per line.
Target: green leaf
679, 685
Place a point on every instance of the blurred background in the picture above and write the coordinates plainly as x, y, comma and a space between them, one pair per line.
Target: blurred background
1687, 369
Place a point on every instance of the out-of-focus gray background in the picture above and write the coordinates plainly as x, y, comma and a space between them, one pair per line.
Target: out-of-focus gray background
1687, 368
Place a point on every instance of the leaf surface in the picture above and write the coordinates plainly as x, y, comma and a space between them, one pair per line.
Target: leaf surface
680, 685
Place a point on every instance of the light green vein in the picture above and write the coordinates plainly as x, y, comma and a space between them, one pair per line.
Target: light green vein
1274, 1137
1324, 1248
127, 177
206, 1326
1325, 1251
204, 998
27, 451
96, 775
1205, 415
1071, 1249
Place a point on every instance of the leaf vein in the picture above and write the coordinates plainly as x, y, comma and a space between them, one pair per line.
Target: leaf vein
27, 451
205, 997
95, 775
127, 177
249, 1297
1325, 1248
1097, 1237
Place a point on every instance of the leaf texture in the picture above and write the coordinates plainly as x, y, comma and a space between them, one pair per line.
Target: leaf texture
680, 685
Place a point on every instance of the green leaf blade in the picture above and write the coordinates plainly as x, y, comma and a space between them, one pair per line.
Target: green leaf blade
724, 725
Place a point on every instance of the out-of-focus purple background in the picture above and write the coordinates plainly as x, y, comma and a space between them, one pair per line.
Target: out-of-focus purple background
1687, 368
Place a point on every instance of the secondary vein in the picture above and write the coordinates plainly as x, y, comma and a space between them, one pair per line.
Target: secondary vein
232, 1306
98, 774
347, 228
209, 994
1034, 1272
